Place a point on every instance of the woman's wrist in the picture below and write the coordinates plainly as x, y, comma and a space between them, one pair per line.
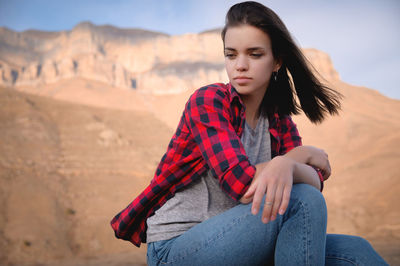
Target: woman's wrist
300, 154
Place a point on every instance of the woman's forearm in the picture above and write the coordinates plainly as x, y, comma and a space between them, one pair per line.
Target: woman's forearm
304, 173
312, 156
300, 154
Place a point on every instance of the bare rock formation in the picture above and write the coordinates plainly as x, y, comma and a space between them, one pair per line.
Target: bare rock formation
126, 58
322, 63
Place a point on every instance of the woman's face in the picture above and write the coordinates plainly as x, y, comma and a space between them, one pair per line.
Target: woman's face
249, 60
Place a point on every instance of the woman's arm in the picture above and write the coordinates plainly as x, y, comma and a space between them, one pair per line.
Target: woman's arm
208, 116
276, 177
275, 180
306, 174
302, 173
312, 156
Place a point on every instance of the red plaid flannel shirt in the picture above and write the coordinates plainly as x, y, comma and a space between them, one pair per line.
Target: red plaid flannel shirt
207, 137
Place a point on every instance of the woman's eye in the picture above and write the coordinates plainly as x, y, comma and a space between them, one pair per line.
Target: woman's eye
230, 56
255, 55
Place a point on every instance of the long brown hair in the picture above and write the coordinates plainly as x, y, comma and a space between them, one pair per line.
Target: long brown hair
316, 99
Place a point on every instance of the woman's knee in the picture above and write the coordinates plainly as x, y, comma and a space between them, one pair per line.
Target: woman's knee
311, 200
309, 195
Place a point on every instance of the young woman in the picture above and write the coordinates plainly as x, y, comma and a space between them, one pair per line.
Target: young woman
235, 186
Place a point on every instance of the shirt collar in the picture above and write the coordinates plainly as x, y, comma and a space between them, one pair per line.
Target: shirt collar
273, 120
234, 94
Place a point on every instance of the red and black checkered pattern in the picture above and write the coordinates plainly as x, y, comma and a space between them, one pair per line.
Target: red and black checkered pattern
207, 137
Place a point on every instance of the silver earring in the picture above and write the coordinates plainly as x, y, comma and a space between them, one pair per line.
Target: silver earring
275, 75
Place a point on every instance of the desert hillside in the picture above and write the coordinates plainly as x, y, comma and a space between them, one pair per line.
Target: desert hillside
65, 171
86, 114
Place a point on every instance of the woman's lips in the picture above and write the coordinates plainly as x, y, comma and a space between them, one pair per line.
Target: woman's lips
242, 80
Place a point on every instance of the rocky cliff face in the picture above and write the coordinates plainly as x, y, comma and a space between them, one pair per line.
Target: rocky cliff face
128, 58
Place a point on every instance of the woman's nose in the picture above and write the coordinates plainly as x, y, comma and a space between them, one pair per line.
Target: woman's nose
241, 63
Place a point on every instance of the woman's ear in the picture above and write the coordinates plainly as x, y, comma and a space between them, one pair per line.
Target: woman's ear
278, 64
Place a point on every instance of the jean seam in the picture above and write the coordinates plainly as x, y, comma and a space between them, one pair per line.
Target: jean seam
341, 258
206, 243
306, 229
154, 252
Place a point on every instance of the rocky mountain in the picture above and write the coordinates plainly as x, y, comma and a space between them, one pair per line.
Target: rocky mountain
126, 58
86, 114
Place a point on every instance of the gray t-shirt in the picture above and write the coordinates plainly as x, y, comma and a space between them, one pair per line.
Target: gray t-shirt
204, 198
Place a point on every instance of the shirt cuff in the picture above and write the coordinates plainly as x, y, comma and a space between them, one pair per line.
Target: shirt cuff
321, 178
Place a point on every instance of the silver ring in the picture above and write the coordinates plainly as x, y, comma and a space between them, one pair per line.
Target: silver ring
269, 203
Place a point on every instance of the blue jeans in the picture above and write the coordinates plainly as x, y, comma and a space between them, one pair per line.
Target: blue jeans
237, 237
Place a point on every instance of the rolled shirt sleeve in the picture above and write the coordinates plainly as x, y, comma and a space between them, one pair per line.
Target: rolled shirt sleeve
208, 116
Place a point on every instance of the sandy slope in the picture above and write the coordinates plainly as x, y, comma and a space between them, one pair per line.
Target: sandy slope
65, 171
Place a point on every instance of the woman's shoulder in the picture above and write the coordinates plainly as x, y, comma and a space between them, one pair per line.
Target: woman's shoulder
220, 89
210, 93
281, 122
285, 119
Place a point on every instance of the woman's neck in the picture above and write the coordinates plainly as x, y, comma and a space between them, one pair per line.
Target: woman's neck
252, 105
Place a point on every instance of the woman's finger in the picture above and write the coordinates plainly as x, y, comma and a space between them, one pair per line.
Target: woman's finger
258, 195
327, 170
269, 202
277, 201
250, 191
285, 199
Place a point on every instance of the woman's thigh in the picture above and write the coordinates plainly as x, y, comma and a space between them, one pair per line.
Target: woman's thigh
234, 237
350, 250
223, 239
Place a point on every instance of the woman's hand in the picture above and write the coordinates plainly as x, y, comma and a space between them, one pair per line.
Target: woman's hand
319, 159
312, 156
274, 179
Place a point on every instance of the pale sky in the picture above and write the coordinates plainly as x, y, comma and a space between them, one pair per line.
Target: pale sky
361, 36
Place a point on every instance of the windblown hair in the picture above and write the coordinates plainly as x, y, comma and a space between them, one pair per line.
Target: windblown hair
316, 99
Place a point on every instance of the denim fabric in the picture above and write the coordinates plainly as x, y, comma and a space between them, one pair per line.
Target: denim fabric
350, 250
236, 237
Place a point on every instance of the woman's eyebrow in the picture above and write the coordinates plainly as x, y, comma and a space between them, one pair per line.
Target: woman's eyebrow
255, 49
251, 49
229, 49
